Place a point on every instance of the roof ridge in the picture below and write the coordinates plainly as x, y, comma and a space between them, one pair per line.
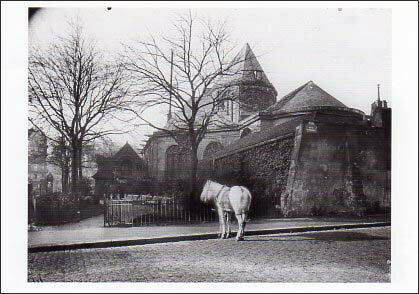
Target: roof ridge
285, 99
303, 96
124, 149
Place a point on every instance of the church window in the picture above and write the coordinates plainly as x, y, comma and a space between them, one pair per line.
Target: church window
227, 106
257, 74
211, 149
245, 132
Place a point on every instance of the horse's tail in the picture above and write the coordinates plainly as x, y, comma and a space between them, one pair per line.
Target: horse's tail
246, 191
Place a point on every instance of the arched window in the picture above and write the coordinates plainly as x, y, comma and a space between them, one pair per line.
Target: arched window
227, 106
245, 132
211, 149
257, 74
177, 161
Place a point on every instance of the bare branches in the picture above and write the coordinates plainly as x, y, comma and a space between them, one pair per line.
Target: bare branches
201, 66
72, 90
206, 78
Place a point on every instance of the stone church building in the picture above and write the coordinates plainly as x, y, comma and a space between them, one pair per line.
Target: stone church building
253, 92
311, 152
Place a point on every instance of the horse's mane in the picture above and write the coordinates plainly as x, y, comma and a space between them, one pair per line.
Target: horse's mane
208, 193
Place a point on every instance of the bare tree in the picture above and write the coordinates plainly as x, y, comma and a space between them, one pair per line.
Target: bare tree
187, 73
73, 93
60, 156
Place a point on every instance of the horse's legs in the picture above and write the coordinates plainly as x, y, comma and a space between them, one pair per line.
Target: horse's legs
221, 218
239, 235
228, 224
244, 216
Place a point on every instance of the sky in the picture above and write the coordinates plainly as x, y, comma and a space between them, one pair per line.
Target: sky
347, 51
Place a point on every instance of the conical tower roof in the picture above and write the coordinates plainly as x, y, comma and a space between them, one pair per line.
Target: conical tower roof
250, 64
308, 95
244, 67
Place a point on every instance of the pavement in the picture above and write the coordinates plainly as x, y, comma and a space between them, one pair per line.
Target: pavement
361, 255
91, 233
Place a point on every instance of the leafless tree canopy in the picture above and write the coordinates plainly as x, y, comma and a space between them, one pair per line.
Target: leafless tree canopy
189, 82
72, 91
187, 73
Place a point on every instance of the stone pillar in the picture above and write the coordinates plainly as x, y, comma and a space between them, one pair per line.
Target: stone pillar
287, 195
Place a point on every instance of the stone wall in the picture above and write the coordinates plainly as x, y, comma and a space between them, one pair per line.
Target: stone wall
338, 169
323, 168
263, 169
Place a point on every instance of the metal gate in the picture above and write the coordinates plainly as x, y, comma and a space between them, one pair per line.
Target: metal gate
118, 212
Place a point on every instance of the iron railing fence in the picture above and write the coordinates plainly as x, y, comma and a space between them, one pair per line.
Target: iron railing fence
161, 210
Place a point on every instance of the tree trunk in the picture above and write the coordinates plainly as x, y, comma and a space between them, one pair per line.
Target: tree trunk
80, 155
64, 162
74, 168
65, 174
193, 178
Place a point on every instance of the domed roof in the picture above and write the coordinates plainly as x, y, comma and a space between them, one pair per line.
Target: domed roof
308, 95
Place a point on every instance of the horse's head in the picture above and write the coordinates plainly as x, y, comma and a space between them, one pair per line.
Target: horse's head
205, 191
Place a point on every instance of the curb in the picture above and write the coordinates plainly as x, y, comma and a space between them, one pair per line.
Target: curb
193, 237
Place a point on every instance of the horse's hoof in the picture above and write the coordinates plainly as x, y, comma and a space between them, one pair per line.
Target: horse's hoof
239, 239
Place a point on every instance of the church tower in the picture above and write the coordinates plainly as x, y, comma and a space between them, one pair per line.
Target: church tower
255, 90
252, 90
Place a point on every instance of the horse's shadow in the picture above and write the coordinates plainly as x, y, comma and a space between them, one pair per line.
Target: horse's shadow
318, 236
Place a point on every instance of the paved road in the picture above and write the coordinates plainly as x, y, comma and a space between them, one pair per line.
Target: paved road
92, 230
359, 255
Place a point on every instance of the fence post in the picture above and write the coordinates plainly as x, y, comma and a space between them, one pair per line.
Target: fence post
121, 210
177, 210
141, 217
147, 216
154, 212
104, 213
132, 213
111, 202
173, 209
161, 209
165, 210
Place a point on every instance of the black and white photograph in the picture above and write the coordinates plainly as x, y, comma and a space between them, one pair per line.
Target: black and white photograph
192, 146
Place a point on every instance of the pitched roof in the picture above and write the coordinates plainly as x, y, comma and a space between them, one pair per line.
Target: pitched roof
126, 151
306, 95
260, 137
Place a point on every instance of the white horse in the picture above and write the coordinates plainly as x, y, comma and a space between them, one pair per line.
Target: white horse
235, 199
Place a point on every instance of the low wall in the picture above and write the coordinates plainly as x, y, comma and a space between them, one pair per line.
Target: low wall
263, 169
